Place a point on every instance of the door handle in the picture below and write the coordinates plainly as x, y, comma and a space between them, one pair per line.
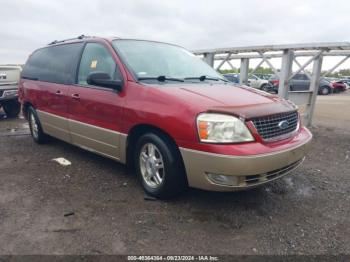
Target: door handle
58, 92
76, 96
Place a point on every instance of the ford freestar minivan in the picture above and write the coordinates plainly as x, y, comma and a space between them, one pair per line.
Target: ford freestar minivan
164, 111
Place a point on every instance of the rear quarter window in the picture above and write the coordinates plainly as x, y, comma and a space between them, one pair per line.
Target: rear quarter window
55, 64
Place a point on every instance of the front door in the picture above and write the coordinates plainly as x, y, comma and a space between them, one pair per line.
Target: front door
95, 112
300, 82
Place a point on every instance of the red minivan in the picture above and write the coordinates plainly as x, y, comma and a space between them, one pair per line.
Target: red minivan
162, 110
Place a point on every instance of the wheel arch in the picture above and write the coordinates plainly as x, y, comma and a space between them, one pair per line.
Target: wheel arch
25, 107
139, 130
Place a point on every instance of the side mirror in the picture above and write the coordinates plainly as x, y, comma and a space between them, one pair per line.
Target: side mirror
103, 79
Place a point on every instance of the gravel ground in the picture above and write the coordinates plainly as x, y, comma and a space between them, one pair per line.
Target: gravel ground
94, 207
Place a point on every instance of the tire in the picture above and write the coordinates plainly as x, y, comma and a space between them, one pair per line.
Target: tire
36, 130
12, 108
265, 87
160, 170
325, 90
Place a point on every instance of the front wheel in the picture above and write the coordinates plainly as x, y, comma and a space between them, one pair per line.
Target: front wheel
12, 108
265, 87
325, 90
159, 166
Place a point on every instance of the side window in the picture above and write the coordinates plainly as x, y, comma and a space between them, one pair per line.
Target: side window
298, 77
305, 77
55, 64
96, 58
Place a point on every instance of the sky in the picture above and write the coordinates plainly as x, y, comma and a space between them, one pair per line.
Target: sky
30, 24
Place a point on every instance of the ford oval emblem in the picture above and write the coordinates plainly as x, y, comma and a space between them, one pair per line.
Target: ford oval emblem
283, 124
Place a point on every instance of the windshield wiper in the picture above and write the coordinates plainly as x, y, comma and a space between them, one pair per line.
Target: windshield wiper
161, 78
205, 77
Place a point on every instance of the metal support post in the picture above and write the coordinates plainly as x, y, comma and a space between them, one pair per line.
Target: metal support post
243, 73
314, 85
209, 59
286, 71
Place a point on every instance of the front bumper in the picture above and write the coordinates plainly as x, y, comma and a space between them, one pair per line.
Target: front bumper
250, 171
8, 92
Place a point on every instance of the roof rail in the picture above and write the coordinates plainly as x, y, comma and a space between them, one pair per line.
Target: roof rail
69, 39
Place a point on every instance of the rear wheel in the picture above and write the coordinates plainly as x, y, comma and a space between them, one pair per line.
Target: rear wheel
35, 127
159, 166
12, 108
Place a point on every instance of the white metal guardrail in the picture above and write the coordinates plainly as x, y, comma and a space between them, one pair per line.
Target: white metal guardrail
288, 53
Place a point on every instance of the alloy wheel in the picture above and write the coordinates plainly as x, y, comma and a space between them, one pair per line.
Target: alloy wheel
151, 165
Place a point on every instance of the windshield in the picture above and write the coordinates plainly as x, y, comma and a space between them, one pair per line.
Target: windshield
152, 59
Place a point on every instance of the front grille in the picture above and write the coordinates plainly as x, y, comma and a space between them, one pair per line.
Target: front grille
272, 128
258, 179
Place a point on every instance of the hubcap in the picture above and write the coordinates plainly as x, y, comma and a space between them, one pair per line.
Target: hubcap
151, 165
34, 126
325, 91
265, 88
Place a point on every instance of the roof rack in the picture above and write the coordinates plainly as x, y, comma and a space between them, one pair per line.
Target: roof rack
69, 39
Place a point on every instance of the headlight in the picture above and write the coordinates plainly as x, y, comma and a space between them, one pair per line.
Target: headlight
219, 128
10, 93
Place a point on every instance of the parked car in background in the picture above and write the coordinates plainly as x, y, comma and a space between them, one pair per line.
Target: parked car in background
253, 81
263, 76
162, 110
234, 78
9, 77
301, 82
259, 83
347, 82
338, 86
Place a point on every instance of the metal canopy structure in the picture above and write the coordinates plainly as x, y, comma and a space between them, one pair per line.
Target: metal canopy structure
289, 54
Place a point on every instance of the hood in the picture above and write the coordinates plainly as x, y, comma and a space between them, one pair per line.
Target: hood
241, 101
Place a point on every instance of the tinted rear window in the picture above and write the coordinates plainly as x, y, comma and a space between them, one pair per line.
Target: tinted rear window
56, 64
300, 77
